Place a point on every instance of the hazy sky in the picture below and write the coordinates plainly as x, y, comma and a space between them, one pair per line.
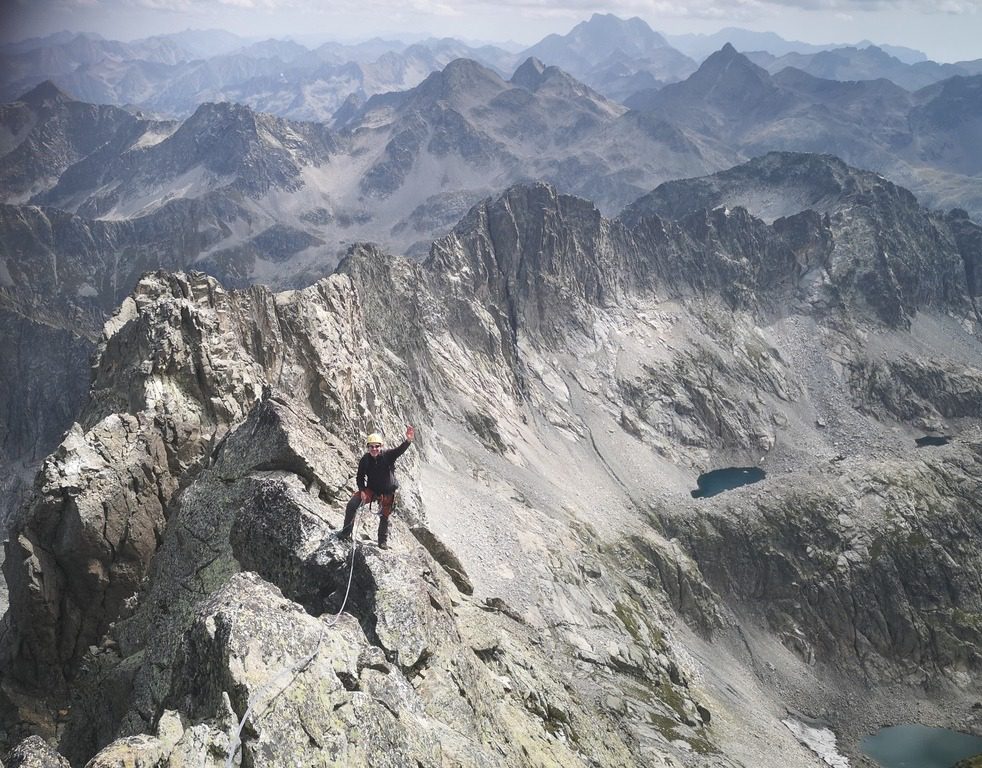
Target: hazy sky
947, 30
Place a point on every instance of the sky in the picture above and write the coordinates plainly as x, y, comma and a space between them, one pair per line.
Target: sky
946, 30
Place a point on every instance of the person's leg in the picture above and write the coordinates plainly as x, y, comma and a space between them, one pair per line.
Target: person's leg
385, 501
349, 516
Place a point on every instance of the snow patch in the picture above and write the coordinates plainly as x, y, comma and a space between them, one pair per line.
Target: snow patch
192, 184
10, 139
5, 279
154, 136
821, 741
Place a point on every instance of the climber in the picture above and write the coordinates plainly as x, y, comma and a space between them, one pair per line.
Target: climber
376, 480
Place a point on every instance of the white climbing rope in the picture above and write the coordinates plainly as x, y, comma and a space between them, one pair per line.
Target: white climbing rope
294, 673
351, 568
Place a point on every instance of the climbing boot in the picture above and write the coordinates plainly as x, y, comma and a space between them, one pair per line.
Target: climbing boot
383, 533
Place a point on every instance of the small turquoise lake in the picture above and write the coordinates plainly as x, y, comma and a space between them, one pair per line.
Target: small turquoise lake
917, 746
719, 480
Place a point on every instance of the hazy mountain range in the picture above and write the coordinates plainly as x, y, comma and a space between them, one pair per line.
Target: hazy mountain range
699, 46
924, 139
867, 63
172, 74
401, 167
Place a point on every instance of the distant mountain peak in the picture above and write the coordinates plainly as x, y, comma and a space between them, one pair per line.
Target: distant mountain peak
727, 91
529, 75
45, 94
224, 112
593, 41
726, 62
460, 76
464, 68
608, 23
795, 181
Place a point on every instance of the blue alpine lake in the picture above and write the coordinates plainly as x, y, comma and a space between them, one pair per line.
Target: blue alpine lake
917, 746
719, 480
932, 440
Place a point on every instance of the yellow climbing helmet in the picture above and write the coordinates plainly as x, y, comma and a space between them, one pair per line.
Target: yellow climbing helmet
374, 439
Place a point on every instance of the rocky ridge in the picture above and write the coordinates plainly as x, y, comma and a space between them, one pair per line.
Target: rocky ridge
554, 361
864, 215
263, 498
47, 132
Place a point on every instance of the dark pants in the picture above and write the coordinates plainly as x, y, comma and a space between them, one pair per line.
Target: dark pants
385, 501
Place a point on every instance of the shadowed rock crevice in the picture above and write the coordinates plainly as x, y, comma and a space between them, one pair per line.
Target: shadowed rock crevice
445, 557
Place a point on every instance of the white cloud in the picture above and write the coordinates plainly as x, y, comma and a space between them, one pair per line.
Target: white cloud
571, 9
714, 8
959, 6
172, 6
654, 9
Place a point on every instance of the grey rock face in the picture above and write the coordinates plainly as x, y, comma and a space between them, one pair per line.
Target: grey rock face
386, 678
53, 311
874, 241
505, 248
296, 674
102, 520
690, 400
33, 752
968, 236
854, 572
45, 392
917, 391
63, 275
143, 455
556, 362
52, 131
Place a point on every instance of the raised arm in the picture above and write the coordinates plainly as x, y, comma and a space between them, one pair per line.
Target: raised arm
400, 449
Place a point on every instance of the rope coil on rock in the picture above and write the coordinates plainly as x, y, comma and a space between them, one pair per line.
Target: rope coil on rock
295, 672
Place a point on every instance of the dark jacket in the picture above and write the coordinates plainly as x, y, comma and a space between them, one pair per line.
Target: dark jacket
379, 473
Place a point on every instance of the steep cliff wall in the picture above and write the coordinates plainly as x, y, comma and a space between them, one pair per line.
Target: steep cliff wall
553, 589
